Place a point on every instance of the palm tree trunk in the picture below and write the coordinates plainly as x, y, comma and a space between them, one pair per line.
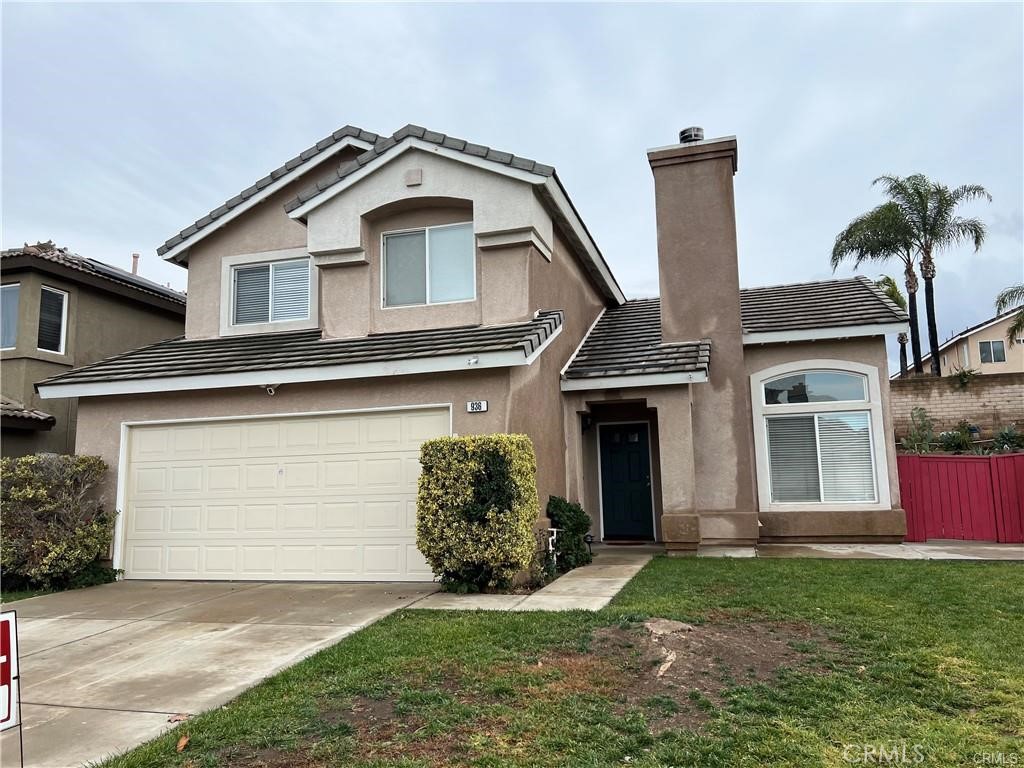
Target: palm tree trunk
928, 273
902, 338
910, 280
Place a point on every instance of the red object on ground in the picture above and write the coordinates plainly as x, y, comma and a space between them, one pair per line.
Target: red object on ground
971, 498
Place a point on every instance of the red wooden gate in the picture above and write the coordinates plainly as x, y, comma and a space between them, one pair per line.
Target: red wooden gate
976, 498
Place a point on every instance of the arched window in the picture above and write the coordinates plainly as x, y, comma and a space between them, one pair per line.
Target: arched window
819, 436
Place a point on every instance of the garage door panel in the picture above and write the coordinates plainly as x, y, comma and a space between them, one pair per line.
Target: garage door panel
331, 497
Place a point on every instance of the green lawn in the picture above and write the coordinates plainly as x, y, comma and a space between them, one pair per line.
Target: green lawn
792, 662
21, 594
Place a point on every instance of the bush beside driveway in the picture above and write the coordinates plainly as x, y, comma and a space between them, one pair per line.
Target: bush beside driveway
772, 662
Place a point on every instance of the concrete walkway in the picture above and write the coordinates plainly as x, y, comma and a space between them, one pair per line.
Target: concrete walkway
933, 550
104, 669
588, 588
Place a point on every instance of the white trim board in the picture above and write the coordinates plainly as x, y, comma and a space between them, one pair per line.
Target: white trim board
276, 377
641, 380
179, 253
117, 554
817, 334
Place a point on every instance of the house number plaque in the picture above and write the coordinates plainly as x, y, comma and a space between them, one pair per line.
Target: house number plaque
476, 406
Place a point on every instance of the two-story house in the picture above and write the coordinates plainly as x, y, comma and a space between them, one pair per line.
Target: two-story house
984, 348
375, 291
58, 311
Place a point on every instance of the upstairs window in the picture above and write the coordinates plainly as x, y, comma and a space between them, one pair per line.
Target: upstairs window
9, 315
433, 265
271, 293
53, 317
992, 351
815, 387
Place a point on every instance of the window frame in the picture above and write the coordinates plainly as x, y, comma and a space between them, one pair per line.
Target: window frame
872, 406
426, 242
63, 320
991, 351
17, 315
227, 293
765, 382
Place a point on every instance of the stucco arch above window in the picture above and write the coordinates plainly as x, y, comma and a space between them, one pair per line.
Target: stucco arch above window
819, 438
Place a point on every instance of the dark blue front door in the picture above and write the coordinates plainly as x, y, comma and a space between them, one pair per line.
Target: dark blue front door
626, 481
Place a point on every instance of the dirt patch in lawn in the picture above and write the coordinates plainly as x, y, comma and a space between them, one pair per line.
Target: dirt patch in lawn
678, 672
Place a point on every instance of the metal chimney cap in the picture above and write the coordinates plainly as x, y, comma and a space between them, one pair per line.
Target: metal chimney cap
691, 134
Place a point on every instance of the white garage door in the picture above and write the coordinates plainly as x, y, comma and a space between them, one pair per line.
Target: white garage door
328, 497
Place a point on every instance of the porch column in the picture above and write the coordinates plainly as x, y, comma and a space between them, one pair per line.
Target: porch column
680, 523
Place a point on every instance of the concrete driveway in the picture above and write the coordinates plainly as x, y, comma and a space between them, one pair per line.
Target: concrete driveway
103, 669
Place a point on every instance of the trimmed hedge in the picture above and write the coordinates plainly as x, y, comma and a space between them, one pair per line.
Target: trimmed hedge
573, 524
476, 509
54, 529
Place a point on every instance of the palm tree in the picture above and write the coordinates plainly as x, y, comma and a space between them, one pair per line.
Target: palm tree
929, 209
892, 290
1007, 299
879, 235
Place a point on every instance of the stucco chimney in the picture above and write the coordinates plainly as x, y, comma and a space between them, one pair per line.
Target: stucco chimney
135, 263
700, 299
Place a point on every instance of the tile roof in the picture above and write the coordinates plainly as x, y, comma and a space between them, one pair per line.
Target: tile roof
14, 409
306, 349
822, 304
49, 252
348, 131
382, 145
626, 341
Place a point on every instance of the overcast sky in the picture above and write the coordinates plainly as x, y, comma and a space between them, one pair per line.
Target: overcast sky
124, 123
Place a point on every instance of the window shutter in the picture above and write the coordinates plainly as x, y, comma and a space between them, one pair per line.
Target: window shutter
845, 444
291, 291
252, 294
793, 459
51, 320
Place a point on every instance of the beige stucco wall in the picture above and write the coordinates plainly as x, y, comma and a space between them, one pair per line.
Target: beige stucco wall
831, 524
265, 227
954, 357
99, 325
500, 203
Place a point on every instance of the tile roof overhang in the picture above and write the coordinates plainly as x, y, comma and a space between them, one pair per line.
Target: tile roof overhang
14, 414
824, 309
176, 248
81, 269
272, 359
623, 348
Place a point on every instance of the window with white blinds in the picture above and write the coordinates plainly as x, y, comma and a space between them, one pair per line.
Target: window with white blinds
271, 293
822, 457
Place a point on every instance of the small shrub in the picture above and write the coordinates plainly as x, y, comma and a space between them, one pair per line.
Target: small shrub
961, 378
573, 524
956, 440
476, 509
1009, 439
921, 436
54, 528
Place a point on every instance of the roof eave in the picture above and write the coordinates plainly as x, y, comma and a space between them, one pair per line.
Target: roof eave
179, 252
633, 381
819, 334
277, 377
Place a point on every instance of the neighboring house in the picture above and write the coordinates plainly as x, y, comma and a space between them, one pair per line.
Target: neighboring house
984, 348
61, 311
375, 291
